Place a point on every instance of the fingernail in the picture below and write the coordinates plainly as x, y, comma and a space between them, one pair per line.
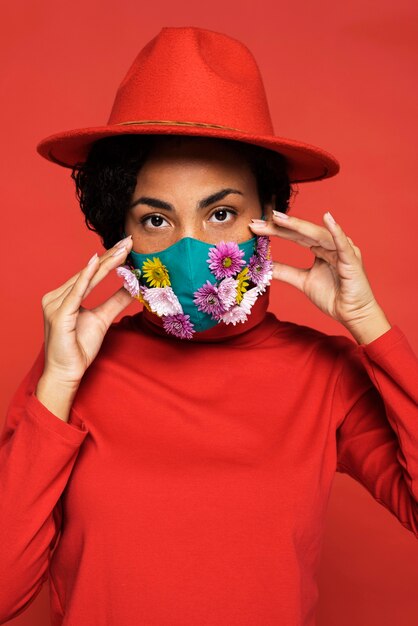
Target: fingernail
331, 218
119, 251
255, 222
122, 242
92, 258
280, 214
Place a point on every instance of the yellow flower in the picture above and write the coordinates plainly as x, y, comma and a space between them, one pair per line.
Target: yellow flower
155, 273
243, 282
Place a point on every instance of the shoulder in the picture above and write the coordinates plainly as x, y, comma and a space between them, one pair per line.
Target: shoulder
306, 342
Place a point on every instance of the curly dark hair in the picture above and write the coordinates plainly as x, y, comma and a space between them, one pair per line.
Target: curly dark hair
106, 181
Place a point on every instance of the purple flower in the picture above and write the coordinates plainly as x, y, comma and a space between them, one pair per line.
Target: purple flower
178, 325
263, 245
207, 300
130, 283
258, 268
225, 259
266, 277
227, 291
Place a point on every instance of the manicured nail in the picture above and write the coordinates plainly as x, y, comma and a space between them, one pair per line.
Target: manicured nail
92, 259
280, 214
122, 242
119, 251
331, 218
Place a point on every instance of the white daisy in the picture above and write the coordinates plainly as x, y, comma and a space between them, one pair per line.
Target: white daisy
162, 301
227, 292
131, 283
234, 315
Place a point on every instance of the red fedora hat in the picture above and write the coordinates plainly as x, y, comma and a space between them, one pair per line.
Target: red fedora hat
193, 81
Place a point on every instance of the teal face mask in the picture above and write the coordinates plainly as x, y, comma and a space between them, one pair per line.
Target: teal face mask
195, 285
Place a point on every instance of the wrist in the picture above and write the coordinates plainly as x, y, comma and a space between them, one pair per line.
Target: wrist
370, 327
57, 396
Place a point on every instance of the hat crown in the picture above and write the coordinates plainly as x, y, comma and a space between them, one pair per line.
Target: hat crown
189, 74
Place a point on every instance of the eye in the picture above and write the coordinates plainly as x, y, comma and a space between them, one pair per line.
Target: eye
222, 215
153, 221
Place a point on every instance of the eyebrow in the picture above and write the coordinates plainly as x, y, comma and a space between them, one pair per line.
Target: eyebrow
202, 204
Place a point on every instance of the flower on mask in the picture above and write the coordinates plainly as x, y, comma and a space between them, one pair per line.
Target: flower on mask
155, 273
248, 299
130, 279
141, 298
207, 299
266, 279
240, 312
234, 315
227, 292
243, 282
162, 301
258, 269
178, 325
225, 259
263, 247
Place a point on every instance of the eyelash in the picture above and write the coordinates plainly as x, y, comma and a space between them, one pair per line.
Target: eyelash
145, 219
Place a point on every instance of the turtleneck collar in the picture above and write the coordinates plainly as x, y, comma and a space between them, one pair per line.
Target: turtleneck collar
221, 332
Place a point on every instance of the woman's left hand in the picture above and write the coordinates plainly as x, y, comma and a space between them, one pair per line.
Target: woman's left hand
337, 281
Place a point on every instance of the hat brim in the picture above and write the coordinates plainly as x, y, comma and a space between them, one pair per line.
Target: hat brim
306, 163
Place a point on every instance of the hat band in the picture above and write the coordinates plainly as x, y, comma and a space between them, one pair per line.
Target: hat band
172, 123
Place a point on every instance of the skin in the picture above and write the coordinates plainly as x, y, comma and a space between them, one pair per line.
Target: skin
182, 175
336, 282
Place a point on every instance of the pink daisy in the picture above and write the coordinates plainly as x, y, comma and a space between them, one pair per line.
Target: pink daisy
131, 282
227, 291
258, 268
266, 279
207, 300
225, 259
163, 301
263, 245
179, 325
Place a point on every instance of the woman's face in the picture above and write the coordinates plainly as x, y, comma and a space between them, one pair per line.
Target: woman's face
194, 188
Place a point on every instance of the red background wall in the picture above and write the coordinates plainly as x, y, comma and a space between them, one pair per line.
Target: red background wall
342, 77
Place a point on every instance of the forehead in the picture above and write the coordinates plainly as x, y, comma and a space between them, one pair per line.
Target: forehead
179, 156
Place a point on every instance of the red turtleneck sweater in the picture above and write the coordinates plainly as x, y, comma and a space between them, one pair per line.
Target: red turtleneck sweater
191, 483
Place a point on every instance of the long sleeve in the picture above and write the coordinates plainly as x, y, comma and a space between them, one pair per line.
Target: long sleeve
377, 435
37, 453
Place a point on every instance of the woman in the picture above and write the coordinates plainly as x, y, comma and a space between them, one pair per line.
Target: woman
174, 468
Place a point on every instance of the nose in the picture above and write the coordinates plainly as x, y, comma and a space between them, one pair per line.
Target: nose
191, 229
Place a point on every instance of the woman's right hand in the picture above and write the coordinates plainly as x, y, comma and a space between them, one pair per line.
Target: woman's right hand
73, 334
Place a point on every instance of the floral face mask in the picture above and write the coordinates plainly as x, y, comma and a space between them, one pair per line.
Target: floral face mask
193, 285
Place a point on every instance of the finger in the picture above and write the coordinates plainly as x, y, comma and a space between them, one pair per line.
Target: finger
289, 274
54, 304
108, 265
107, 261
300, 231
330, 256
72, 301
110, 308
344, 249
272, 230
356, 249
59, 292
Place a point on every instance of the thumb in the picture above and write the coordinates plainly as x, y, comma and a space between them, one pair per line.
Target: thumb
111, 307
289, 274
